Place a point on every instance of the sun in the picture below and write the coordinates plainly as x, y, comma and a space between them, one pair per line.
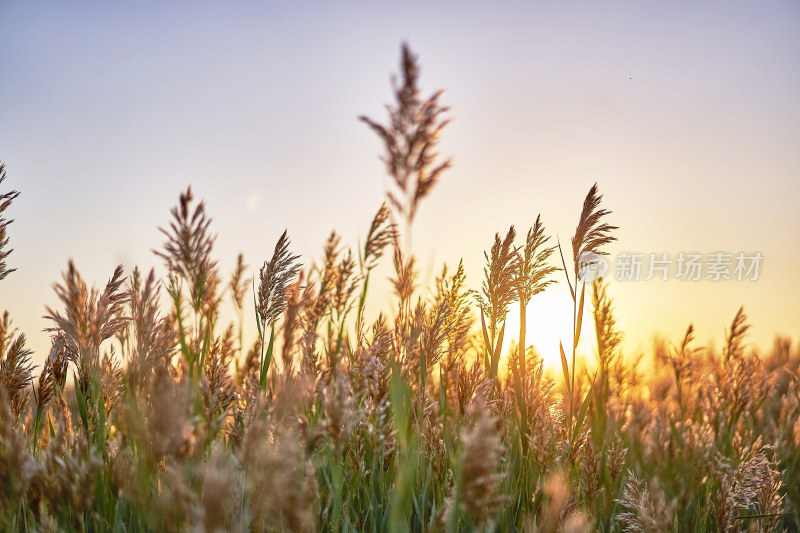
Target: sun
549, 320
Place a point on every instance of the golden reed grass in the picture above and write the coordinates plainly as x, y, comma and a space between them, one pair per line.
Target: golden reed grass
153, 414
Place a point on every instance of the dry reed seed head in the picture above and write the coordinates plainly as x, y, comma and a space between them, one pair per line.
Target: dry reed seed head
65, 474
450, 290
576, 445
657, 439
327, 277
250, 363
498, 290
16, 464
239, 282
187, 250
533, 271
177, 503
742, 383
410, 140
688, 337
127, 477
577, 522
616, 457
211, 298
279, 480
342, 412
404, 282
559, 502
299, 299
470, 383
645, 507
744, 488
546, 419
479, 491
745, 447
591, 235
330, 251
770, 497
221, 494
89, 318
168, 417
346, 284
16, 375
734, 345
227, 351
749, 478
408, 327
153, 338
274, 278
681, 359
45, 390
590, 468
7, 332
434, 334
5, 201
436, 450
287, 395
112, 379
608, 336
216, 386
381, 339
310, 364
373, 366
382, 232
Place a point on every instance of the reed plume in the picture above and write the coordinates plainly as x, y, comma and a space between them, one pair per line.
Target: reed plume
16, 464
89, 318
16, 374
478, 487
239, 282
238, 287
590, 234
410, 140
5, 201
531, 276
382, 232
645, 508
752, 483
450, 290
498, 292
275, 277
152, 339
187, 250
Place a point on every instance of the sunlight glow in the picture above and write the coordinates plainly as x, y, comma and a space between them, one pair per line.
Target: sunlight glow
549, 319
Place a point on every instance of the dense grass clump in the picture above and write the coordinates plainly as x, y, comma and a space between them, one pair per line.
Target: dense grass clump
150, 414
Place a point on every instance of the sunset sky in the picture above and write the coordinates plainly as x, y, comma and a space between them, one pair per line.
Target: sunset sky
687, 115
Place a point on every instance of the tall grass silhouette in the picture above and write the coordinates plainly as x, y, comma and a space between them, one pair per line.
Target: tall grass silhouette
151, 417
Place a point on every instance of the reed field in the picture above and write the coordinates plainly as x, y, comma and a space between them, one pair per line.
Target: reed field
152, 413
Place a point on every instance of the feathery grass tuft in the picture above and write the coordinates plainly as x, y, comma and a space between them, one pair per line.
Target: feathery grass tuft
5, 201
590, 234
410, 140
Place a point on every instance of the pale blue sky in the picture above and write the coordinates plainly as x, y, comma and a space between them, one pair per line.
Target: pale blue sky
687, 114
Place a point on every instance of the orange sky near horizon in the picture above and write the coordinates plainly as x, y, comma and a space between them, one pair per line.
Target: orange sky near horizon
686, 115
